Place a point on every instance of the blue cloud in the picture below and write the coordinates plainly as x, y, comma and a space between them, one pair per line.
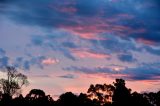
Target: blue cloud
4, 61
141, 72
48, 15
42, 76
115, 44
26, 65
90, 70
2, 52
26, 62
69, 44
68, 76
57, 41
155, 51
126, 57
37, 40
120, 23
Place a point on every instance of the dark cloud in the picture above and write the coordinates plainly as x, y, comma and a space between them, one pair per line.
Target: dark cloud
18, 62
68, 76
69, 44
114, 44
57, 41
26, 65
37, 40
100, 26
26, 62
86, 8
37, 60
21, 62
41, 76
117, 45
132, 19
141, 72
4, 61
155, 51
2, 52
127, 57
67, 53
111, 45
90, 70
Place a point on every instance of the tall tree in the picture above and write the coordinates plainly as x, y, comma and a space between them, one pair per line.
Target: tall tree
101, 93
14, 81
122, 95
36, 93
68, 99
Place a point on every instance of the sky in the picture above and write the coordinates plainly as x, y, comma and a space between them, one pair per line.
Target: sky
66, 45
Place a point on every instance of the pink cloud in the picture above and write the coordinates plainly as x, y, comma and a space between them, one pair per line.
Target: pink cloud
65, 7
89, 54
82, 83
125, 16
50, 61
145, 41
93, 28
85, 31
115, 1
68, 9
90, 36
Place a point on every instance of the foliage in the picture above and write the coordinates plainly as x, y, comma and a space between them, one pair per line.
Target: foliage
98, 95
14, 81
101, 93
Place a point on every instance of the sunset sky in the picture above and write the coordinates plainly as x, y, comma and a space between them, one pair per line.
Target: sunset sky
66, 45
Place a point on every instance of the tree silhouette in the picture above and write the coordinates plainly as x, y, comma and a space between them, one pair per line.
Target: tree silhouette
122, 95
98, 95
38, 97
36, 93
140, 100
84, 100
68, 99
158, 98
14, 81
101, 93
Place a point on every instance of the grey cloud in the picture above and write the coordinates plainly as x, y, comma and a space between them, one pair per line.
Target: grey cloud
126, 57
68, 76
4, 61
141, 72
2, 52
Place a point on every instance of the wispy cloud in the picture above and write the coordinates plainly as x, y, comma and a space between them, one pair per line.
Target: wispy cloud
140, 72
106, 38
38, 61
68, 76
126, 57
4, 61
87, 19
49, 61
2, 52
89, 54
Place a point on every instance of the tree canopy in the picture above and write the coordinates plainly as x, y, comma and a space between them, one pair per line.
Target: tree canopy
13, 82
115, 94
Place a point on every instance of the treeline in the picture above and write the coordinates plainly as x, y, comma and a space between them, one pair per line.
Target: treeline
116, 94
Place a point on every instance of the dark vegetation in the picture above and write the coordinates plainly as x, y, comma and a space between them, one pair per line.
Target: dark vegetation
116, 94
